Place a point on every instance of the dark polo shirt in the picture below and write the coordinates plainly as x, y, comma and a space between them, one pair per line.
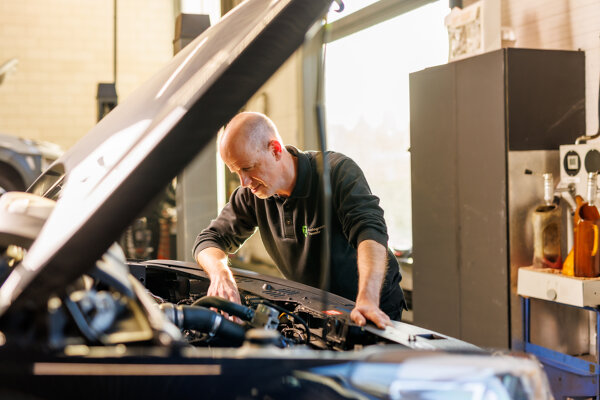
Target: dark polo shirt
291, 228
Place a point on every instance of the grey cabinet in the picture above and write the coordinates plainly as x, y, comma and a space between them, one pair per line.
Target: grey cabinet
470, 121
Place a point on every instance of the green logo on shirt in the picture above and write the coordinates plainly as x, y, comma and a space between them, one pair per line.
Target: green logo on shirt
312, 231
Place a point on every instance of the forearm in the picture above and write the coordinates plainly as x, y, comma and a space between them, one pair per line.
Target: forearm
214, 262
372, 263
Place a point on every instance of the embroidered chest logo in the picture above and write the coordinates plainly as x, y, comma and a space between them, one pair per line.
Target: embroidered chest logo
312, 231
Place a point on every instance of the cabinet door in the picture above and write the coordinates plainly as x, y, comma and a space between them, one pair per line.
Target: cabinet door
436, 274
458, 158
482, 200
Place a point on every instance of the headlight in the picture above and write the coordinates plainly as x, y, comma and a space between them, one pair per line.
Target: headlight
448, 376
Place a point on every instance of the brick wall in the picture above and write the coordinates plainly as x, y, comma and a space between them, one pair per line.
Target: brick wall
566, 25
65, 48
563, 25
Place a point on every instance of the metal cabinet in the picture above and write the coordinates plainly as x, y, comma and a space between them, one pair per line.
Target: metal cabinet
475, 125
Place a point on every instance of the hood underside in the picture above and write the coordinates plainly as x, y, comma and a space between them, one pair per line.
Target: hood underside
134, 152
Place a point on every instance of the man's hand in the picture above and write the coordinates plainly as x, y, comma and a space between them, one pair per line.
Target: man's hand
366, 310
372, 262
223, 285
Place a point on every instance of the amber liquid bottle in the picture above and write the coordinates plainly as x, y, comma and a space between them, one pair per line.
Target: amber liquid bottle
586, 224
587, 260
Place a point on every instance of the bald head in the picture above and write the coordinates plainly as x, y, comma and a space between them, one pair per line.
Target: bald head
252, 148
251, 131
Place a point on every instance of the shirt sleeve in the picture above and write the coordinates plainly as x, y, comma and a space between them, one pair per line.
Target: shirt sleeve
235, 224
357, 208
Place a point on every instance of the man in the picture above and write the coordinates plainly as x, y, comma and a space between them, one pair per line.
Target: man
279, 193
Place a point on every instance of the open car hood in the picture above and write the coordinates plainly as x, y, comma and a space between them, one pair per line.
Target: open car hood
134, 152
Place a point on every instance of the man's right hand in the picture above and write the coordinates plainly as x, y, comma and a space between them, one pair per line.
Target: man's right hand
214, 262
223, 285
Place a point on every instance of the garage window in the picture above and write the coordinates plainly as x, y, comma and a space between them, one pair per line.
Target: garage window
367, 94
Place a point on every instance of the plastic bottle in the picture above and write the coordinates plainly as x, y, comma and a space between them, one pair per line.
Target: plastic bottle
587, 222
546, 237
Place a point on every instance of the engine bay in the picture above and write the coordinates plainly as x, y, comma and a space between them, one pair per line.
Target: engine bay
273, 312
165, 303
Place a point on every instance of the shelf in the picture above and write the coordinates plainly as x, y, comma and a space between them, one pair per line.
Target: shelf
551, 285
569, 376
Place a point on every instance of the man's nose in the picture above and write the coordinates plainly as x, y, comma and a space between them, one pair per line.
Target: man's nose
244, 180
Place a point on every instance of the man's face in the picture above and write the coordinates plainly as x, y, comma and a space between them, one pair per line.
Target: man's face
256, 169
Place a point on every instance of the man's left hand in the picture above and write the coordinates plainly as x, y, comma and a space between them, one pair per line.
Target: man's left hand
368, 311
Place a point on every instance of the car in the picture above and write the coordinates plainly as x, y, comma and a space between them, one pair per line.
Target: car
77, 319
23, 160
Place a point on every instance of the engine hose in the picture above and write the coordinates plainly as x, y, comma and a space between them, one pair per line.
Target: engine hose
227, 306
204, 320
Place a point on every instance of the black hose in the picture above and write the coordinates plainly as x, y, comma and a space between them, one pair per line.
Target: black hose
227, 306
323, 170
204, 320
325, 200
207, 321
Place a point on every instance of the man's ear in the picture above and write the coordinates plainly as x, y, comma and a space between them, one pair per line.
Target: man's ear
276, 149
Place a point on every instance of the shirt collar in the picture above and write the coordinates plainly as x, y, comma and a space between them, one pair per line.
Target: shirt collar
303, 177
